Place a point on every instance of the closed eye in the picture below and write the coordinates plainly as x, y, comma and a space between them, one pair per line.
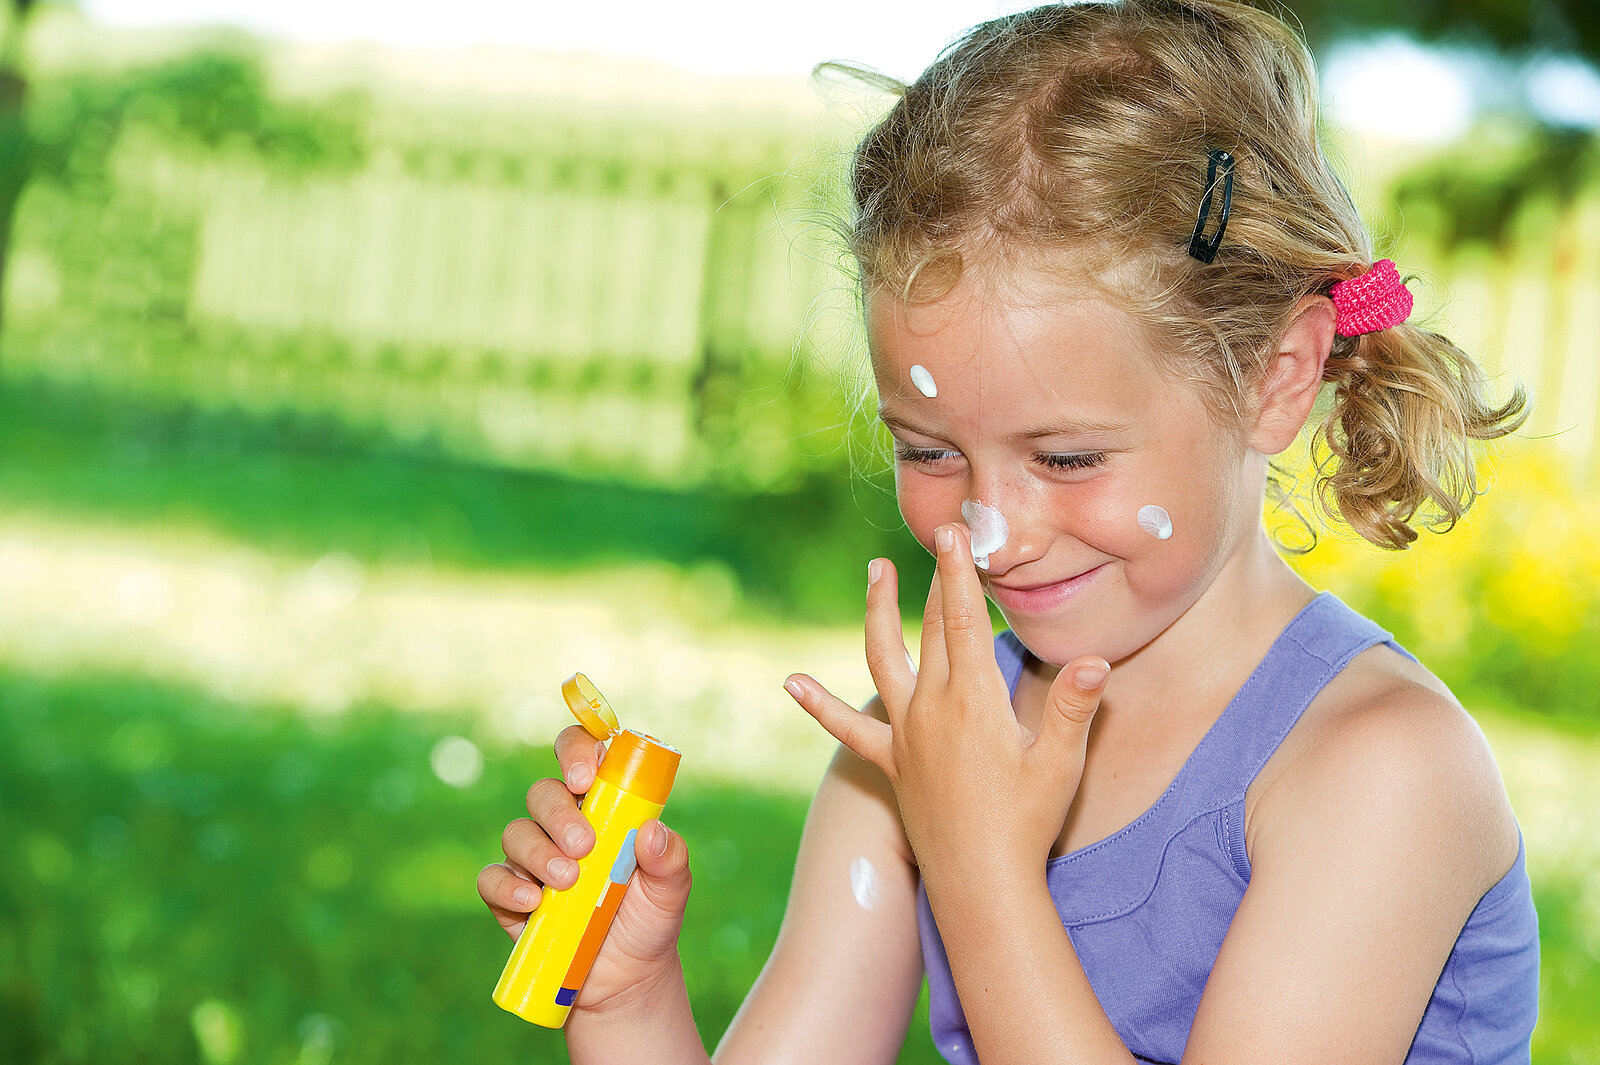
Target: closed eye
1071, 460
921, 456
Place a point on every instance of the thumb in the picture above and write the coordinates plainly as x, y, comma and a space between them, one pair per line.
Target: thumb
651, 915
1070, 707
663, 861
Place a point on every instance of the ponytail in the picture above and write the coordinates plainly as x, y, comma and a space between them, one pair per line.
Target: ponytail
1394, 452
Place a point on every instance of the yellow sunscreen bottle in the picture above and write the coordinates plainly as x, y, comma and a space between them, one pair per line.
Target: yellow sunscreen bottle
552, 956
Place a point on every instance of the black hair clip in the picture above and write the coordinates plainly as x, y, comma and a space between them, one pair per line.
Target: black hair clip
1199, 247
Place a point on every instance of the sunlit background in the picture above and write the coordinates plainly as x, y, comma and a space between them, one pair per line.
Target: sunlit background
366, 369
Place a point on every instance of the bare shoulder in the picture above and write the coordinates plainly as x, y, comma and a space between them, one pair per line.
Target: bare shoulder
1386, 754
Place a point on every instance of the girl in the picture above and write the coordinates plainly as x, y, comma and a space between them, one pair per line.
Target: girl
1186, 808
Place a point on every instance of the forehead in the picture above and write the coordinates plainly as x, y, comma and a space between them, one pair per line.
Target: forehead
1029, 338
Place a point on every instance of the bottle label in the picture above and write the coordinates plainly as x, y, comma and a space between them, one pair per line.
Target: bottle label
600, 921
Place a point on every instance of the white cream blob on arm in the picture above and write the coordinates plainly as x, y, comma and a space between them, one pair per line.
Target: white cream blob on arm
1155, 521
924, 381
989, 530
864, 883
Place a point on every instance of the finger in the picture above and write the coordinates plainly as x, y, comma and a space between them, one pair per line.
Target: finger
968, 636
509, 897
862, 733
933, 667
578, 754
556, 811
887, 658
529, 847
1070, 707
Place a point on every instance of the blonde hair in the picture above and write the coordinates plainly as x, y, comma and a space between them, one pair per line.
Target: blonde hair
1084, 129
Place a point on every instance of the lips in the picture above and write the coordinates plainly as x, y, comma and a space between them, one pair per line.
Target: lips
1042, 598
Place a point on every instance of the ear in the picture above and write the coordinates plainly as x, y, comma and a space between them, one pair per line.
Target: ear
1294, 376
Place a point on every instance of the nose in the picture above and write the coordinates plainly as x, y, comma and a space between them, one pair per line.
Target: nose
1002, 527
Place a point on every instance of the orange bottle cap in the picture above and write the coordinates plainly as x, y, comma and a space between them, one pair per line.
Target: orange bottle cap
642, 765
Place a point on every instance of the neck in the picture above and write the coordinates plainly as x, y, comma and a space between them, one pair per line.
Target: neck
1252, 598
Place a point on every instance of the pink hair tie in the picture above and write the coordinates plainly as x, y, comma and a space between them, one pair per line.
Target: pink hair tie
1376, 300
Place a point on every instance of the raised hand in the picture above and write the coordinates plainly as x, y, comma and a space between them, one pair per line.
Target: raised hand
979, 794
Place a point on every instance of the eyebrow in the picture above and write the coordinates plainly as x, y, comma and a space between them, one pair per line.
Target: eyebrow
1068, 427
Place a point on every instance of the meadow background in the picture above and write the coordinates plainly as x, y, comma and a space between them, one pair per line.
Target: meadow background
350, 400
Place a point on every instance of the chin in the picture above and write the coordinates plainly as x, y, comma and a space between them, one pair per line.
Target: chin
1057, 642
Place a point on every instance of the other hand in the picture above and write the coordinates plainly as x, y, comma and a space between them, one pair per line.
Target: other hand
544, 848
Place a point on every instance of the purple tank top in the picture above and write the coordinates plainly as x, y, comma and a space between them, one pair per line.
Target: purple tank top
1147, 908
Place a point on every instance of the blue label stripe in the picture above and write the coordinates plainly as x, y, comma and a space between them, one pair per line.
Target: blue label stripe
623, 867
565, 996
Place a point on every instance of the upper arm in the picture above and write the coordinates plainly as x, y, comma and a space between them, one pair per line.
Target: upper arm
843, 977
1367, 857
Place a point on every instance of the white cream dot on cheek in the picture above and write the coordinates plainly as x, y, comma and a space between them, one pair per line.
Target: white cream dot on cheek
924, 381
864, 883
1155, 521
989, 530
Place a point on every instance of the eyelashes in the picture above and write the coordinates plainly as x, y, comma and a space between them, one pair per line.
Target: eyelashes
1064, 460
921, 456
1071, 460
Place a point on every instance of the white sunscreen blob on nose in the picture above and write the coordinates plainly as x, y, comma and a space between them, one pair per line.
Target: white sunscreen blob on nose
989, 530
864, 883
924, 381
1155, 521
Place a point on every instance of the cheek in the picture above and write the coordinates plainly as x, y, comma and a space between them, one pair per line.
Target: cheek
1198, 510
1110, 516
927, 503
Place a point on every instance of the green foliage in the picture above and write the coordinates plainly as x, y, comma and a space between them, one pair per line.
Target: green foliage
210, 100
1474, 191
1505, 607
1508, 25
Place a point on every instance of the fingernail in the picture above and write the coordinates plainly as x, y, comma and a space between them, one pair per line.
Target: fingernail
793, 688
574, 837
658, 840
579, 777
874, 571
944, 539
526, 897
563, 872
1090, 676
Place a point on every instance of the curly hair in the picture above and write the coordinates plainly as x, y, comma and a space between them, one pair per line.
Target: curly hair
1085, 128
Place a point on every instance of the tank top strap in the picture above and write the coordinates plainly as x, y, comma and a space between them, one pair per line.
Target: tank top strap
1010, 655
1310, 651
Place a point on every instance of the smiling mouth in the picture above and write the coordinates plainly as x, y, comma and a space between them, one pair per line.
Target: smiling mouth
1038, 598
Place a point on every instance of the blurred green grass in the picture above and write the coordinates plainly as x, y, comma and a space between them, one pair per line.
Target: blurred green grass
193, 880
307, 485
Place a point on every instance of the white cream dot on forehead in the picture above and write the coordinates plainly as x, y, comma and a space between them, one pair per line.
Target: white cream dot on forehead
924, 381
1155, 521
989, 530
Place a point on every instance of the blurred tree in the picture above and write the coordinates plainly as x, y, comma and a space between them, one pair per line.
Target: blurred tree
1510, 26
1482, 182
13, 129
